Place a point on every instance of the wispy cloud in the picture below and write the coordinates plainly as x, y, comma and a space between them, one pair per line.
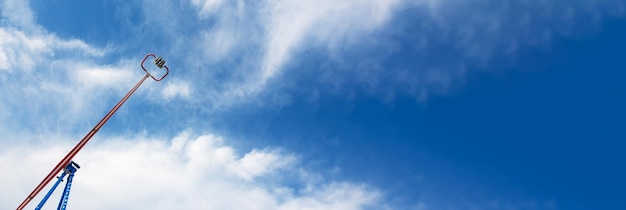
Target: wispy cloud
207, 7
266, 35
365, 40
44, 74
18, 13
296, 24
431, 46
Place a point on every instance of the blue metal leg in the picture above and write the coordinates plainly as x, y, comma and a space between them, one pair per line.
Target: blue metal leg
66, 193
43, 201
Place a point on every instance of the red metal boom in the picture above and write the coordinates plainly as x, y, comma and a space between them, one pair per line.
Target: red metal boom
68, 158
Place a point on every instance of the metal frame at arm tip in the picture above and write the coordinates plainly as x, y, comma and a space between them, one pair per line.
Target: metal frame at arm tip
167, 70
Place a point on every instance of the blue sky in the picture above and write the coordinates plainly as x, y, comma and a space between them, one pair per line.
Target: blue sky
371, 104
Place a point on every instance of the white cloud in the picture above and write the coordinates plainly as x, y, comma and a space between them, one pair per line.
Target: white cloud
101, 76
62, 93
21, 50
18, 51
187, 172
176, 89
256, 163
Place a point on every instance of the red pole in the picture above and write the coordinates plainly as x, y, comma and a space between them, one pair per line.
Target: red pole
68, 158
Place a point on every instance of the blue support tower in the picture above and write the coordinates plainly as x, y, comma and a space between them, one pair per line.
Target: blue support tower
69, 170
